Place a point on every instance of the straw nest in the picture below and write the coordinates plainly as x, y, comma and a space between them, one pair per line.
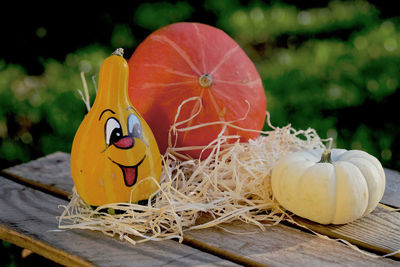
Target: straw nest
232, 183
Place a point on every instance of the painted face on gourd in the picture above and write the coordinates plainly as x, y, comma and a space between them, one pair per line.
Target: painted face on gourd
114, 156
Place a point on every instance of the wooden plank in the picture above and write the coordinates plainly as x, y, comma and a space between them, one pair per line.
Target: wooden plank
53, 173
392, 190
28, 219
379, 231
282, 246
205, 240
41, 248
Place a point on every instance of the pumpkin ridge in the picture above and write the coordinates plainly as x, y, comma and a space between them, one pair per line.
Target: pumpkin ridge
369, 186
227, 55
298, 180
336, 192
201, 41
170, 70
178, 49
221, 114
346, 172
195, 109
364, 155
152, 85
239, 83
219, 90
222, 94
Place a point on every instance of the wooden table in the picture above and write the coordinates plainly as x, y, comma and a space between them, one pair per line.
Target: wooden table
31, 193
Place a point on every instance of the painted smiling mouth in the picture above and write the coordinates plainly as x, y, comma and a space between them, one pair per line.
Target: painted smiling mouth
130, 172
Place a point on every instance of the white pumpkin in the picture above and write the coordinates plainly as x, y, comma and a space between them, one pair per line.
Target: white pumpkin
329, 186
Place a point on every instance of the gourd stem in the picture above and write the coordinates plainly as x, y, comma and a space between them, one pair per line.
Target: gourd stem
326, 156
119, 52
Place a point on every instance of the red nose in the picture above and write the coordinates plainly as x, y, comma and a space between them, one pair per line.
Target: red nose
125, 142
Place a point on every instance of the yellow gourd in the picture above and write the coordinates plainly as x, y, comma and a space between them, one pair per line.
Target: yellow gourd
114, 149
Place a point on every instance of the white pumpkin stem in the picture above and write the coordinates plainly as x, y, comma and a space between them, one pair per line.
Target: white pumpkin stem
326, 156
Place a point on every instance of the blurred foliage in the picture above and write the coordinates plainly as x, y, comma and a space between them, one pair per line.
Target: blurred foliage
152, 16
40, 114
333, 68
13, 256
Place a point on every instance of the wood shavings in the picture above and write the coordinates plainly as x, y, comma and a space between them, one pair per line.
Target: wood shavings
232, 183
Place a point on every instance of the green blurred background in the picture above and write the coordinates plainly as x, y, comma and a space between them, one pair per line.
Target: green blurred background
330, 65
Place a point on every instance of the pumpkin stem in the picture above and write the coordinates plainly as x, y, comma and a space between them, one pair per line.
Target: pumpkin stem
205, 80
119, 52
326, 156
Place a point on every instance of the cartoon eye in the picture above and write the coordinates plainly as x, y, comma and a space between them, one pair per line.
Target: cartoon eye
113, 131
134, 127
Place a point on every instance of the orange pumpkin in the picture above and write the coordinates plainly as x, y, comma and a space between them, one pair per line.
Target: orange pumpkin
114, 148
185, 60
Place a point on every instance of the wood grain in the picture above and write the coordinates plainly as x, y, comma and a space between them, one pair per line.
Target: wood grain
279, 245
28, 219
51, 174
392, 189
282, 246
379, 231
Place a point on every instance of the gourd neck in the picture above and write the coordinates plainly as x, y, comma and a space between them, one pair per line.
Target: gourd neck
326, 156
113, 80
